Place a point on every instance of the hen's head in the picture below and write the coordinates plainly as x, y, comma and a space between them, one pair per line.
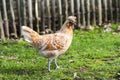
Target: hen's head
71, 21
69, 24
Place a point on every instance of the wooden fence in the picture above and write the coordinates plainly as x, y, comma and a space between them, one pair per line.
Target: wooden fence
42, 14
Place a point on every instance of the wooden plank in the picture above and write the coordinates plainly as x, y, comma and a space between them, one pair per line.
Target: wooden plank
49, 13
83, 13
60, 13
66, 9
72, 7
30, 13
19, 12
20, 15
105, 3
43, 15
117, 11
111, 10
37, 16
5, 19
88, 12
78, 13
53, 15
2, 35
24, 13
93, 12
40, 14
13, 18
99, 12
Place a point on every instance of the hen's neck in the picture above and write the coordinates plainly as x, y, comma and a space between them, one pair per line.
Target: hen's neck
67, 29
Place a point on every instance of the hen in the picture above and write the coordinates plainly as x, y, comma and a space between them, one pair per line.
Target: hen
51, 45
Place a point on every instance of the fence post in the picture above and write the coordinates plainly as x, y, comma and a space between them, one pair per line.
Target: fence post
36, 15
99, 12
105, 9
117, 11
24, 12
60, 13
93, 12
5, 19
88, 12
78, 13
19, 11
13, 18
30, 13
49, 14
53, 15
2, 35
43, 14
83, 13
66, 8
72, 7
111, 10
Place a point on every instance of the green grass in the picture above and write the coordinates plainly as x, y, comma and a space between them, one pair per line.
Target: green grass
95, 55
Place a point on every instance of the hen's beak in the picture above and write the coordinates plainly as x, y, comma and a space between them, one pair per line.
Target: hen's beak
73, 23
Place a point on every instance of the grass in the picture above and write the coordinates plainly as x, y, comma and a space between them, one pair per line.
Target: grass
93, 55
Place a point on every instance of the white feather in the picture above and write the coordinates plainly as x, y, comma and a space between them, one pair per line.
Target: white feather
25, 34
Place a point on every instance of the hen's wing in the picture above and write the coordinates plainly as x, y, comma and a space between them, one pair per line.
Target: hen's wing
52, 42
52, 45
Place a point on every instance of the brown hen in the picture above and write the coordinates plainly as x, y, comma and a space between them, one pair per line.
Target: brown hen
51, 45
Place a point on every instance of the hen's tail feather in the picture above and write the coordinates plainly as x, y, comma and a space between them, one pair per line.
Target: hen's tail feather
29, 35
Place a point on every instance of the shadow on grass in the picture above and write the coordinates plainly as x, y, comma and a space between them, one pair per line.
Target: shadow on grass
22, 71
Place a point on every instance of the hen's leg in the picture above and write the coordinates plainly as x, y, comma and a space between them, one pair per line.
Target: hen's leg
49, 63
55, 61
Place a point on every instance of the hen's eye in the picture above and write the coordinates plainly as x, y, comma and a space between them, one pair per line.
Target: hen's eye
70, 22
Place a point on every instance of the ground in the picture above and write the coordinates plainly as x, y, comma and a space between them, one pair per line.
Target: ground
93, 55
